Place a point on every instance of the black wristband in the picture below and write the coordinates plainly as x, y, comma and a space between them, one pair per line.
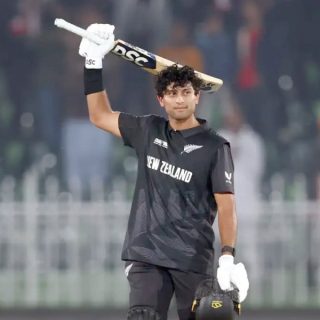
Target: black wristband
92, 80
229, 249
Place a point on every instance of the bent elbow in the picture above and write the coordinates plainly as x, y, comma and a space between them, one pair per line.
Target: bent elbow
94, 119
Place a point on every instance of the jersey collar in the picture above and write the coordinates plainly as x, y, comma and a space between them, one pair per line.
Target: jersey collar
192, 131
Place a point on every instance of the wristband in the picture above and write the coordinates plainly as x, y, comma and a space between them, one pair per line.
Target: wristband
229, 249
92, 80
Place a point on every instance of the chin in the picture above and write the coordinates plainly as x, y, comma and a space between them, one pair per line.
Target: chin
180, 117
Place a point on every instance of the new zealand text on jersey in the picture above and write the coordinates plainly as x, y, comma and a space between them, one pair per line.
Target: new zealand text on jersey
169, 169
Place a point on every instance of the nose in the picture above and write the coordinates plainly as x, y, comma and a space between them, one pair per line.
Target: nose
179, 98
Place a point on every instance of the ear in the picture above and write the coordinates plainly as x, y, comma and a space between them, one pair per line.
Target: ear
197, 97
160, 99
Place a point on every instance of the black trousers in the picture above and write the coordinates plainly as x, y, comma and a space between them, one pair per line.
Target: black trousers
154, 286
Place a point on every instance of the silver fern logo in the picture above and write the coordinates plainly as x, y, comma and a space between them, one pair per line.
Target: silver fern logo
190, 147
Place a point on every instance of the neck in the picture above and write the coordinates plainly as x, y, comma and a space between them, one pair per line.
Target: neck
183, 124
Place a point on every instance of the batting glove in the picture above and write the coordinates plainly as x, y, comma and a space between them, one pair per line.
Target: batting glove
239, 279
230, 275
94, 53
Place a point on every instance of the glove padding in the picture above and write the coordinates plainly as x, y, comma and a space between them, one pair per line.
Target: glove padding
94, 53
230, 275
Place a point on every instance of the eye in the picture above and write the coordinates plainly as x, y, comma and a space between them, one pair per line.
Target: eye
172, 93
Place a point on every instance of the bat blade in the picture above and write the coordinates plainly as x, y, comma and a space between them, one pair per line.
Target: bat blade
146, 60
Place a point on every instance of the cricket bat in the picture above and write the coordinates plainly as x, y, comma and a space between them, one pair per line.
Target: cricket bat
144, 59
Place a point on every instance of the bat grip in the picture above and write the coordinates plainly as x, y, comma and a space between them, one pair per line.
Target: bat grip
61, 23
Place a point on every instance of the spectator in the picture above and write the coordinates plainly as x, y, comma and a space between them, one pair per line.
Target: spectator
181, 47
314, 177
128, 15
248, 156
217, 50
80, 167
190, 10
142, 23
216, 47
17, 64
250, 87
245, 142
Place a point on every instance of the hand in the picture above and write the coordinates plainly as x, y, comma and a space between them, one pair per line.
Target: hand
230, 275
94, 53
239, 279
226, 263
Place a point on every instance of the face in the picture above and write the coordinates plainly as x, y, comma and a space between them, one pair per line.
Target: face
179, 102
234, 121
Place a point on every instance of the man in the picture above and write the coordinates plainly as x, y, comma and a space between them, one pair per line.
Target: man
244, 140
185, 173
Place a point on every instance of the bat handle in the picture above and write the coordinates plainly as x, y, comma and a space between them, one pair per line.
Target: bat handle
61, 23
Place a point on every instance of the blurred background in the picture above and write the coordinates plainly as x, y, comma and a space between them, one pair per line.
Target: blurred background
66, 187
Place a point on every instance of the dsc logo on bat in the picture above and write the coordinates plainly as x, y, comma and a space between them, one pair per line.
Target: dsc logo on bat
131, 54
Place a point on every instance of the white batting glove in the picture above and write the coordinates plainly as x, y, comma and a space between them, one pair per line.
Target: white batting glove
226, 263
239, 279
230, 275
94, 53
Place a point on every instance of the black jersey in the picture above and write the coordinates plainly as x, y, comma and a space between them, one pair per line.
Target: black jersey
173, 208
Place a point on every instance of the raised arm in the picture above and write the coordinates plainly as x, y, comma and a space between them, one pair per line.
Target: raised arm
100, 110
101, 114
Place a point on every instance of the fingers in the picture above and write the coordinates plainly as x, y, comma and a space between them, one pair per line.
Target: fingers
93, 52
108, 45
223, 277
239, 278
230, 275
83, 48
226, 262
104, 31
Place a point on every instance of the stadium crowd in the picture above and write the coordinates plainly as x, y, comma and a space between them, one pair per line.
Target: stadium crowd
265, 51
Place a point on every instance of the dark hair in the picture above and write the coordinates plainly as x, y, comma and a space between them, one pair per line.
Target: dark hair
179, 75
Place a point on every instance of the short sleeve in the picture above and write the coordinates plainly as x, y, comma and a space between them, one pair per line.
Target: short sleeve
132, 129
223, 170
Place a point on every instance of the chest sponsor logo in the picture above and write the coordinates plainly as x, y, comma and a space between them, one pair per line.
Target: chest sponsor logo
190, 147
228, 177
169, 169
161, 143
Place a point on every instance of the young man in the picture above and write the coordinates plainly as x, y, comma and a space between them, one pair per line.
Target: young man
185, 173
